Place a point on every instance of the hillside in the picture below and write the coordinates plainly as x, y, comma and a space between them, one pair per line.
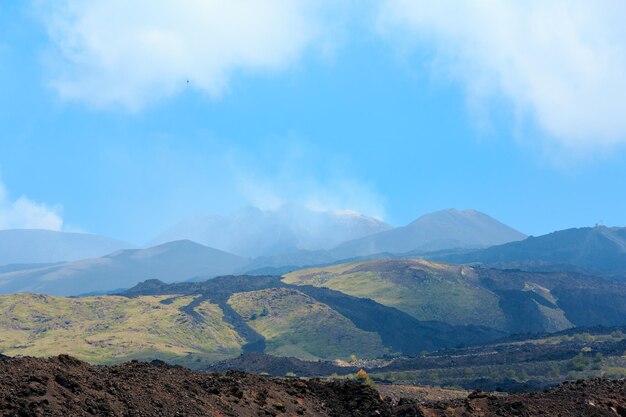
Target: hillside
253, 232
519, 363
512, 301
598, 250
445, 229
63, 386
29, 246
173, 261
113, 329
368, 308
198, 322
398, 331
425, 290
294, 324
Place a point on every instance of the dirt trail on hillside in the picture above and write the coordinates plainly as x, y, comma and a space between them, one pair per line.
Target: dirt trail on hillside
64, 386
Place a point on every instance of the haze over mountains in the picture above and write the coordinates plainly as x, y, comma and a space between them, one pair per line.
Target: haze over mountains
253, 232
285, 234
30, 246
445, 229
173, 261
211, 245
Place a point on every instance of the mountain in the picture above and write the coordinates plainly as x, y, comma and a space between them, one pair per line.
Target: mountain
507, 300
598, 250
122, 269
370, 309
31, 246
252, 232
195, 323
446, 229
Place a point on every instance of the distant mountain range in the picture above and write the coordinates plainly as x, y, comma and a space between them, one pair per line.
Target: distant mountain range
30, 246
32, 257
173, 261
445, 229
252, 232
599, 250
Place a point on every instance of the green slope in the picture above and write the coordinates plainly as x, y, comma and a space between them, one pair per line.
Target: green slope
294, 324
364, 308
112, 329
423, 289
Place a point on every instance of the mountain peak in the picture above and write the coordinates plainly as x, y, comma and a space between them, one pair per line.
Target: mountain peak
440, 230
253, 232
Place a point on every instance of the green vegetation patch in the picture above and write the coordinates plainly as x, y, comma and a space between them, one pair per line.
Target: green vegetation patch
108, 329
425, 290
295, 324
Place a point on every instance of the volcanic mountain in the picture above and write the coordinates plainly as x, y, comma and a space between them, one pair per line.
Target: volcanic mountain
597, 250
173, 261
441, 230
31, 246
254, 232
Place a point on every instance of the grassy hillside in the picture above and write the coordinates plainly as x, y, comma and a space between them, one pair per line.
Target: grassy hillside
364, 308
112, 329
294, 324
512, 300
423, 289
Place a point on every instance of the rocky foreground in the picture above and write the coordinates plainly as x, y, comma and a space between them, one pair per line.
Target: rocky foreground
64, 386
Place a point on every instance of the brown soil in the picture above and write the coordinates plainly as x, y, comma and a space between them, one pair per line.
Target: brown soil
583, 398
596, 397
419, 393
63, 386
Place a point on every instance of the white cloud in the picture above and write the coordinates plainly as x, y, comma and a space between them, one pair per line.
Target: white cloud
560, 63
129, 53
299, 174
24, 213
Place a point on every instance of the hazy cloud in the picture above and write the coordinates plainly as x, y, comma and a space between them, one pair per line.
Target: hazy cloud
301, 175
560, 63
24, 213
132, 52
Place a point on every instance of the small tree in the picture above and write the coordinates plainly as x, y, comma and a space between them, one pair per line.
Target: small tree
364, 378
554, 371
617, 334
597, 361
579, 362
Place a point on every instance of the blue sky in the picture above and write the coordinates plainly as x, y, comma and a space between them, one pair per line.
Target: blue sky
374, 106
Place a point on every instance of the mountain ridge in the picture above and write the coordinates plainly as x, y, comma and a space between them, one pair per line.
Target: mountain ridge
253, 232
597, 250
171, 261
38, 246
444, 229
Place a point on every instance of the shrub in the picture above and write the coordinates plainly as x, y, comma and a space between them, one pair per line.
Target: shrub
583, 337
617, 334
579, 362
364, 378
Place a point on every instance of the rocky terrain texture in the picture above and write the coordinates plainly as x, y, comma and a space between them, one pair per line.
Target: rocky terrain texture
597, 397
64, 386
